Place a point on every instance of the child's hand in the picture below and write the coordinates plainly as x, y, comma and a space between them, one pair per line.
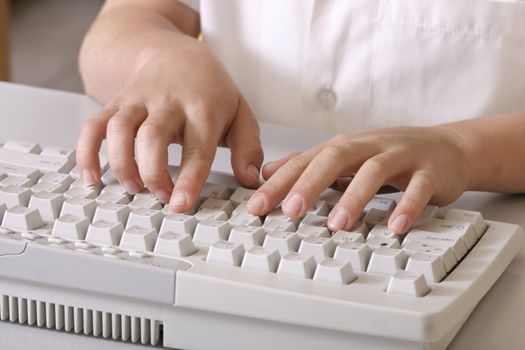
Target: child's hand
178, 93
428, 163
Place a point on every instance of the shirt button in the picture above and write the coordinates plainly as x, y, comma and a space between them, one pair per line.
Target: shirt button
327, 98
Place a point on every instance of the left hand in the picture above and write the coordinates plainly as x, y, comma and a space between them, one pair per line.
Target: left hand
427, 163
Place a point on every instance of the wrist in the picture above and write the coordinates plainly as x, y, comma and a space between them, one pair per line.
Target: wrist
461, 142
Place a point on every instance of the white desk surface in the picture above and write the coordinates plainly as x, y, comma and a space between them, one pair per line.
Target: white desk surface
54, 118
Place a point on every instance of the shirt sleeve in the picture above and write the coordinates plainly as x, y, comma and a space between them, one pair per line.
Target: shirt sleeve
193, 4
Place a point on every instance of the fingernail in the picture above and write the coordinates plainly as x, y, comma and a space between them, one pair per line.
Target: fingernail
253, 171
131, 186
162, 195
338, 220
293, 205
399, 223
88, 178
256, 203
178, 199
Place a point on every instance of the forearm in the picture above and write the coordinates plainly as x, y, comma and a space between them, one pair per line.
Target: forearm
494, 148
124, 34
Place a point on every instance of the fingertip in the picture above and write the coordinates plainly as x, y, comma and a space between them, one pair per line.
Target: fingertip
398, 224
257, 204
89, 177
178, 201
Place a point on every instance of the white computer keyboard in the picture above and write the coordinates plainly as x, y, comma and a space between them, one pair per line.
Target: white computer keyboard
98, 261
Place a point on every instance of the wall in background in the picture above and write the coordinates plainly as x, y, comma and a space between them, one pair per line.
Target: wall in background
45, 39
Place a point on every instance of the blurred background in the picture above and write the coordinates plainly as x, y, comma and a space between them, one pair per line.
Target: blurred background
40, 39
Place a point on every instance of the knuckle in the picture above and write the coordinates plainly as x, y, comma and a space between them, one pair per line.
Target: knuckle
150, 131
196, 153
334, 151
378, 166
297, 163
117, 124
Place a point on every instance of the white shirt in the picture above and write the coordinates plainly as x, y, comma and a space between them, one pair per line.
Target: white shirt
344, 65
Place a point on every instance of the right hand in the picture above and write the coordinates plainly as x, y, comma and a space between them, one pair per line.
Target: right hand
177, 94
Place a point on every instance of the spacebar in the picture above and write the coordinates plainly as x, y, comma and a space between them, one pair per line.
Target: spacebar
89, 272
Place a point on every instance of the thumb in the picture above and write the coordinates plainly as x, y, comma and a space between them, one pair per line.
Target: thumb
245, 144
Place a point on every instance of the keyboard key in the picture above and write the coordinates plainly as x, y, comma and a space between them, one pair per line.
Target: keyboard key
43, 186
273, 225
224, 252
35, 161
143, 217
430, 212
357, 253
278, 215
331, 197
57, 178
319, 247
387, 261
14, 195
14, 170
475, 218
261, 259
71, 227
116, 213
82, 192
431, 266
142, 202
380, 203
16, 181
23, 146
464, 230
210, 231
139, 238
381, 230
79, 207
295, 264
211, 214
3, 208
308, 230
58, 152
218, 204
240, 195
245, 219
439, 249
319, 208
22, 218
110, 197
376, 216
215, 191
408, 283
248, 236
104, 232
284, 242
118, 189
377, 242
174, 244
457, 244
314, 220
342, 236
334, 271
179, 223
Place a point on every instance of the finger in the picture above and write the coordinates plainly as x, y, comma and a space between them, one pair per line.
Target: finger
271, 167
88, 145
322, 171
153, 138
274, 190
417, 194
198, 150
120, 145
365, 184
245, 144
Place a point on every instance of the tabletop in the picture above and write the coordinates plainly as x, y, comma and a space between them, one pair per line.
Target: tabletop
54, 118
